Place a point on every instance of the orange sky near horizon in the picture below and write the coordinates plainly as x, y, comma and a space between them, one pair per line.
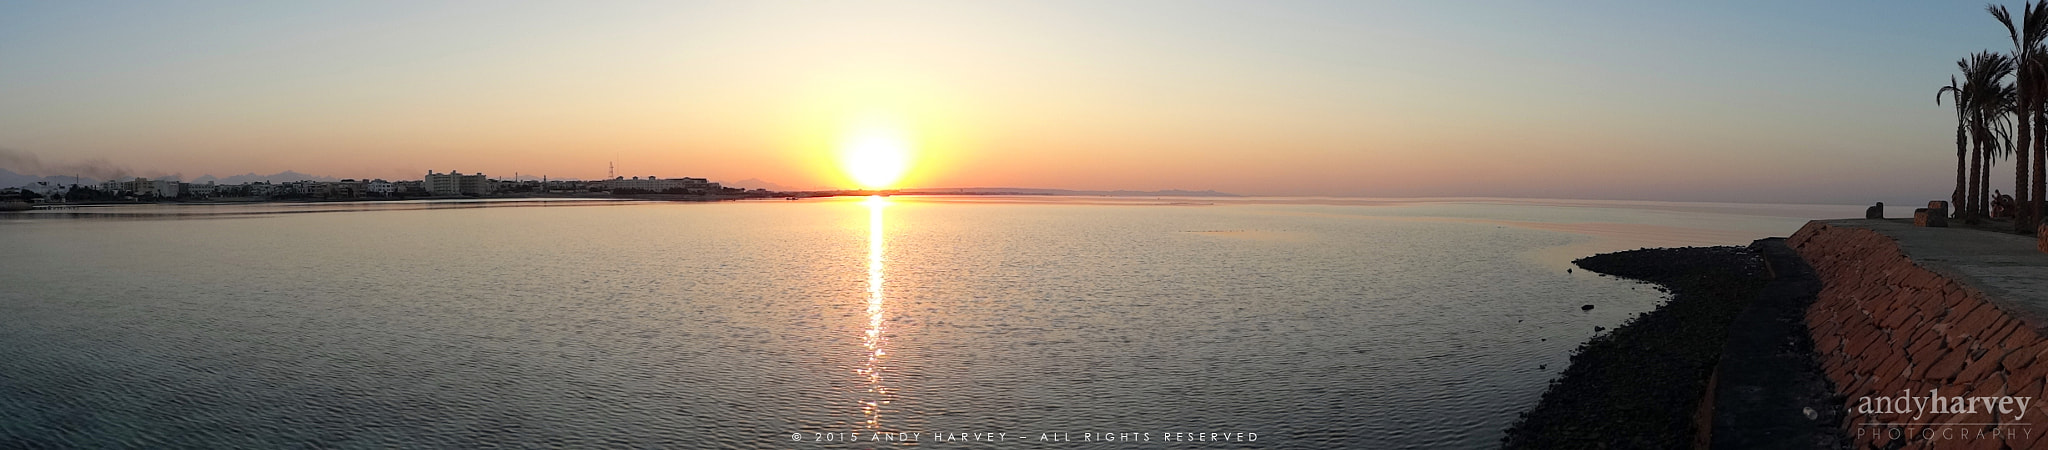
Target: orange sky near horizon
1282, 99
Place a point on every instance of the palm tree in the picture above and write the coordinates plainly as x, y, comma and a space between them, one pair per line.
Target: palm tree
2028, 55
1956, 95
1988, 98
2000, 144
1999, 100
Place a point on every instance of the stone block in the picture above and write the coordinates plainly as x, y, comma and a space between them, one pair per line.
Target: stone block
2041, 238
2031, 373
1921, 278
1924, 334
1978, 368
1860, 341
1979, 322
2021, 336
1999, 331
1876, 359
1902, 318
1927, 352
1958, 300
1892, 373
2022, 357
1949, 365
1924, 217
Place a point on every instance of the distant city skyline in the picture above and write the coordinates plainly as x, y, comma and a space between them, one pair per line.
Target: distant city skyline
1726, 101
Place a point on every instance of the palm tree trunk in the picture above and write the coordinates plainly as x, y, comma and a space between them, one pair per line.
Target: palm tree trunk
1955, 199
1984, 178
1983, 186
2019, 169
1977, 181
1977, 171
2038, 210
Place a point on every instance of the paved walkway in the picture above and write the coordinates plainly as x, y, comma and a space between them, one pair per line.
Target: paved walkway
1768, 381
2008, 268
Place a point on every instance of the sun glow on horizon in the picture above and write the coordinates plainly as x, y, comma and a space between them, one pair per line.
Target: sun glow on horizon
875, 157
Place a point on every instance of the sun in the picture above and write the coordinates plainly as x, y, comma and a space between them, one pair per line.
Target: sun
875, 158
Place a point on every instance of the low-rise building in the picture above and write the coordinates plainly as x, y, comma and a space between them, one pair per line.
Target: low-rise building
455, 183
413, 188
166, 187
259, 189
653, 184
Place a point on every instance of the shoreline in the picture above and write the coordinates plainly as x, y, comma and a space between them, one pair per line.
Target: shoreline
1641, 384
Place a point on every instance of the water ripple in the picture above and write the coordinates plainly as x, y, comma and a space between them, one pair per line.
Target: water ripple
736, 325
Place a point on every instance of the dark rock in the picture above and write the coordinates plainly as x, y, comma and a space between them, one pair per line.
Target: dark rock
1874, 212
1586, 308
1639, 385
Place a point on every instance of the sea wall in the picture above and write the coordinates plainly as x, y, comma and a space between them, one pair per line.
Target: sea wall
1885, 323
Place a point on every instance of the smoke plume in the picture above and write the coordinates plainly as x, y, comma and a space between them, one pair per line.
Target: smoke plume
26, 163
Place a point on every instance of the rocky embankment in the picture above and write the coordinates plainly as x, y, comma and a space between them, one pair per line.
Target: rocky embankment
1641, 385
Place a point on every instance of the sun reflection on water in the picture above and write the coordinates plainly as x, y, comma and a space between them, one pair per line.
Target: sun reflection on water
877, 394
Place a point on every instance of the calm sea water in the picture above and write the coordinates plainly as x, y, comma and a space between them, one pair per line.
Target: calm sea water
1310, 322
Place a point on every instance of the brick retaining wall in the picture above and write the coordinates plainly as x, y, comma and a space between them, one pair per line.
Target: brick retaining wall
1883, 324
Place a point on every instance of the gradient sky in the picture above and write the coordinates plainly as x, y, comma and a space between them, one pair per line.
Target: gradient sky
1717, 101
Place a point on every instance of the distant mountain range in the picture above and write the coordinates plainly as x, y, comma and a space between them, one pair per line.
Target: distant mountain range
10, 179
280, 177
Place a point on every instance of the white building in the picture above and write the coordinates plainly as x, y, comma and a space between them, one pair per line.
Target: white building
140, 187
653, 184
455, 183
166, 187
